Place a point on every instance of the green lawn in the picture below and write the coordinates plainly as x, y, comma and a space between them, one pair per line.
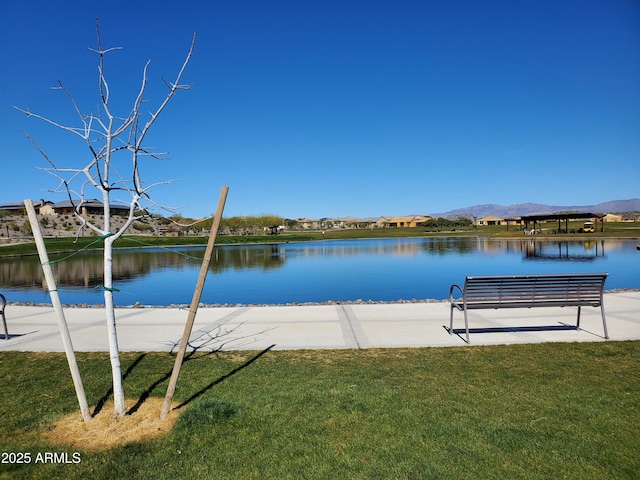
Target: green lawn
520, 411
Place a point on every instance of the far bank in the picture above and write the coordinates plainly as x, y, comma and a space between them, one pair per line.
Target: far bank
26, 246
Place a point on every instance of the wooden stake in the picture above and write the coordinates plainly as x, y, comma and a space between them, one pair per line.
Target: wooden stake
57, 306
197, 294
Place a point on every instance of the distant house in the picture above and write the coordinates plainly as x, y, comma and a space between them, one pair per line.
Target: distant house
88, 207
382, 222
343, 222
368, 222
12, 208
490, 220
351, 222
46, 208
308, 223
168, 231
42, 207
611, 217
410, 221
516, 221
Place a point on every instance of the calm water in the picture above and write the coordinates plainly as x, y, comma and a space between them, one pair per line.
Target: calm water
376, 269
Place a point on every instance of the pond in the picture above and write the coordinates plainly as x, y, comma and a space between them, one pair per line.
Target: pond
342, 270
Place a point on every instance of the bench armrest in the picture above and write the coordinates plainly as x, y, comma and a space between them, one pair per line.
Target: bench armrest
454, 286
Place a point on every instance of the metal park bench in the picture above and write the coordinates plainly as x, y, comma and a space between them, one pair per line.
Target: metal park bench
527, 291
3, 304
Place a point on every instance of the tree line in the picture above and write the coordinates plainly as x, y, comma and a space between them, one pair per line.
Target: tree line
265, 223
232, 225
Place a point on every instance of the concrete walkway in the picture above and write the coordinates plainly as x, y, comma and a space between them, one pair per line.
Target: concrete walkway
319, 326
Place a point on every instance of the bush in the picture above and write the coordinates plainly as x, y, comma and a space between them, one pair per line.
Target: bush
143, 227
25, 228
438, 224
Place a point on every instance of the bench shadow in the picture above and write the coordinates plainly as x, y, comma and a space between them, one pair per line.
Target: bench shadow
461, 332
14, 335
166, 376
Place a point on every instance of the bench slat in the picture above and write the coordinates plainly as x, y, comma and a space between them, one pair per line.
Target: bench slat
543, 290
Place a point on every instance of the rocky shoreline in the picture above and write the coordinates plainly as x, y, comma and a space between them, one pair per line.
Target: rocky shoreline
226, 305
291, 304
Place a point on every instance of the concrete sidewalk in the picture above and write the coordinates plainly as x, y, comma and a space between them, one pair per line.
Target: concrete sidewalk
319, 327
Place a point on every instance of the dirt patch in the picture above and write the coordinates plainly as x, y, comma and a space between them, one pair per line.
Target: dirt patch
105, 430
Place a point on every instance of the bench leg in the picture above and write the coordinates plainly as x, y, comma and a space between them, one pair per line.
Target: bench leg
466, 325
451, 321
6, 331
604, 322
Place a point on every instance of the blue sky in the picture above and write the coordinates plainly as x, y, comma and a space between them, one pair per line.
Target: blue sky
335, 108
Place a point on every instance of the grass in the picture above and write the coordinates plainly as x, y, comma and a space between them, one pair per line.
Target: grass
519, 411
69, 244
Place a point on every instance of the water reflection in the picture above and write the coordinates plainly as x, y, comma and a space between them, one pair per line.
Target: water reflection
81, 271
531, 249
349, 248
445, 246
260, 257
378, 269
586, 251
86, 269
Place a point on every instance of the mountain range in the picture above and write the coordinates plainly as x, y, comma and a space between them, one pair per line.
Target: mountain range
520, 209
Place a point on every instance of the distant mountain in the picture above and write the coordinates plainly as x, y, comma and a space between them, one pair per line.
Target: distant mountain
521, 209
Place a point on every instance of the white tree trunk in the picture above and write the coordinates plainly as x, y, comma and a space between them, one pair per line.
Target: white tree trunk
112, 334
114, 352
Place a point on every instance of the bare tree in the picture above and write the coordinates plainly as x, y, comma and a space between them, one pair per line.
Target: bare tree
108, 137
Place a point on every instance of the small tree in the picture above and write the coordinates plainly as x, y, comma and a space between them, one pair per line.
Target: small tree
114, 143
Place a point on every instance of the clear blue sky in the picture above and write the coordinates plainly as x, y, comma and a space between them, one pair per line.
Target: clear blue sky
335, 108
